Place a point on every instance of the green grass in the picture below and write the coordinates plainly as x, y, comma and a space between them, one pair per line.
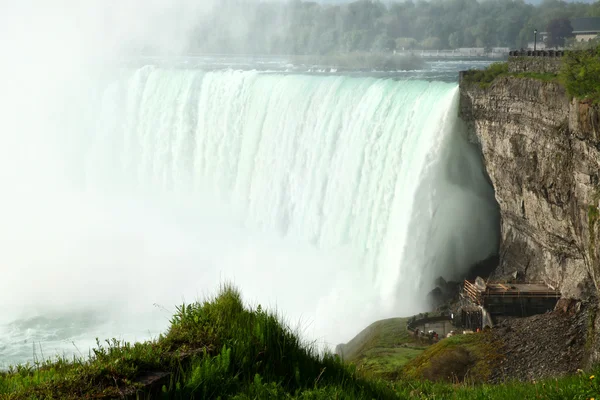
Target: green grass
462, 358
383, 348
112, 364
485, 77
387, 363
221, 349
213, 349
580, 74
579, 387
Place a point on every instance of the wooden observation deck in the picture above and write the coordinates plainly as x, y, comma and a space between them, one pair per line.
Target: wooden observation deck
511, 299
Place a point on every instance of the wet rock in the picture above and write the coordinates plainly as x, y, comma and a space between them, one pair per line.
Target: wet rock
541, 153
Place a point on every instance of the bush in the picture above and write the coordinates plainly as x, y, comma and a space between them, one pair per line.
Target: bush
580, 74
484, 77
453, 366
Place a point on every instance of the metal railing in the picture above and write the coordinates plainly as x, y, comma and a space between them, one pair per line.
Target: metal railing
537, 53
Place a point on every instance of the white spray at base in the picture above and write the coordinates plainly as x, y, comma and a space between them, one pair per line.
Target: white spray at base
336, 200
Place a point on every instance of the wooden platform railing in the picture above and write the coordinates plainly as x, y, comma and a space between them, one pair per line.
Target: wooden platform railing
546, 295
471, 292
477, 296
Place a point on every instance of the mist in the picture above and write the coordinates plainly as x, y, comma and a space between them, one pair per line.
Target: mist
69, 247
111, 208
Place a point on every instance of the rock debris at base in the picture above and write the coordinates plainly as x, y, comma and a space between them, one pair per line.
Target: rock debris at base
541, 346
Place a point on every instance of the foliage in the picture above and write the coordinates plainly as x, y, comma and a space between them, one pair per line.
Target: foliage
383, 42
461, 358
403, 43
558, 30
573, 44
217, 348
307, 27
383, 348
581, 386
112, 365
484, 77
431, 43
581, 74
221, 349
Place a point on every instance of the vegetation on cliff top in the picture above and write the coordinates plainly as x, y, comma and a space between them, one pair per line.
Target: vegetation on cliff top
581, 74
484, 77
221, 349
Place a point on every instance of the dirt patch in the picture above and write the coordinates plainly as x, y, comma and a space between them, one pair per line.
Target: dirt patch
451, 366
541, 346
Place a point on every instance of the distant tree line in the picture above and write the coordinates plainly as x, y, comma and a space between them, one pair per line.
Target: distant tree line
303, 27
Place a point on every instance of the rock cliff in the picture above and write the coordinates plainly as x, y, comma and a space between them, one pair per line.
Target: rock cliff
542, 153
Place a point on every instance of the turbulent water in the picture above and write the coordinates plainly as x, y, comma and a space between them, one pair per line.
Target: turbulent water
335, 199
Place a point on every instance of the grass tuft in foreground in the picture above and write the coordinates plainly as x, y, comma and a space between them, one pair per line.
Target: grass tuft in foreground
221, 349
213, 349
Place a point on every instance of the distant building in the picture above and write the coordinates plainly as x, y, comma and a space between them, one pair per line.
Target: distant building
539, 45
585, 29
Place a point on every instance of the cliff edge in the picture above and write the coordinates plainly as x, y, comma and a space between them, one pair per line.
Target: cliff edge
541, 150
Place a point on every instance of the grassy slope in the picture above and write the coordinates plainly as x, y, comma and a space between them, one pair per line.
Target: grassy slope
463, 358
216, 348
383, 348
219, 349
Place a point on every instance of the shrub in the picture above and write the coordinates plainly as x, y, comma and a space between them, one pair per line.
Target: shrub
484, 77
580, 74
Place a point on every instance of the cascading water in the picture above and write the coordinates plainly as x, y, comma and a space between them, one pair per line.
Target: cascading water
335, 199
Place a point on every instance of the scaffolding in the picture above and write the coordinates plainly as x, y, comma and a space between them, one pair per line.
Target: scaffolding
506, 300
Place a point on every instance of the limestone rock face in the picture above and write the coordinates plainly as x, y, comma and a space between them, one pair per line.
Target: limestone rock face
541, 151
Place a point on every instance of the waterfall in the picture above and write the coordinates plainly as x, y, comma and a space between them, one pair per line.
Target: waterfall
335, 199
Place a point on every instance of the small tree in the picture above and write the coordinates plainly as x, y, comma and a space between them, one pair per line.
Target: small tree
558, 30
403, 43
431, 43
384, 43
455, 40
